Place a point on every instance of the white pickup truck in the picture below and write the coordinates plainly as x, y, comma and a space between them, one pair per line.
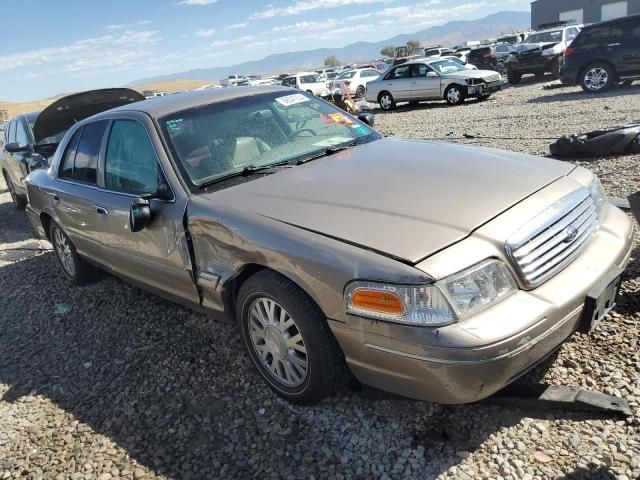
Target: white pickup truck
234, 80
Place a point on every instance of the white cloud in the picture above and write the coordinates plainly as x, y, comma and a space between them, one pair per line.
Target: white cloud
309, 26
301, 6
235, 41
110, 52
205, 33
235, 26
114, 27
196, 2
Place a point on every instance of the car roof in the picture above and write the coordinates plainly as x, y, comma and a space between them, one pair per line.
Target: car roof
613, 21
160, 106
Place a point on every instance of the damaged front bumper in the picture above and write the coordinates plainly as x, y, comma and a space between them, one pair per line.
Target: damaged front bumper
468, 361
483, 88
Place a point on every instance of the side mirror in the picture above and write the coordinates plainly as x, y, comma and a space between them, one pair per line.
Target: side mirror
16, 147
139, 214
431, 74
367, 118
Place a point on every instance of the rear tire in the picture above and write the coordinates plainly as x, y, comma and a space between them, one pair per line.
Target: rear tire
77, 270
19, 202
597, 78
514, 77
386, 101
360, 91
455, 94
288, 339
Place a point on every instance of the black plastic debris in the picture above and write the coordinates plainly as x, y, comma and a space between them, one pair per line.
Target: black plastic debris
608, 141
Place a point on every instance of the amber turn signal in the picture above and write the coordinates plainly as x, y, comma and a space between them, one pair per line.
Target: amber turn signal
382, 301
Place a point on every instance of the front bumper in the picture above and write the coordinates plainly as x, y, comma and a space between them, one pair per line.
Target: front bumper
484, 88
457, 363
533, 63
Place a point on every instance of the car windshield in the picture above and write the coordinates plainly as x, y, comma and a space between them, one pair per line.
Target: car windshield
346, 75
542, 37
222, 139
447, 66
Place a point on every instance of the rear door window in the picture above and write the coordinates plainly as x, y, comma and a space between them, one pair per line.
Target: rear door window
399, 72
66, 170
88, 151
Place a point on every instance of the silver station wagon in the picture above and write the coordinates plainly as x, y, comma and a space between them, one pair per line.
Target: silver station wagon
432, 79
436, 271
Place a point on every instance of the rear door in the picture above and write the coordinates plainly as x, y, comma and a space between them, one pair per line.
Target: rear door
630, 47
72, 201
157, 257
425, 82
398, 82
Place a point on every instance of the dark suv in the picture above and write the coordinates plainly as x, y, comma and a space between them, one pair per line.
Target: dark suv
604, 54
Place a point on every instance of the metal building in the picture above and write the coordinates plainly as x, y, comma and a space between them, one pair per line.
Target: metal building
580, 11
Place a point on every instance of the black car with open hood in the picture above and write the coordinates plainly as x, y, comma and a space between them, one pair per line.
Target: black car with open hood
31, 139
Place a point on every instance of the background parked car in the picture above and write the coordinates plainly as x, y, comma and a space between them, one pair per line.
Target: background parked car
31, 139
502, 51
541, 53
437, 52
432, 79
603, 54
308, 81
483, 58
355, 80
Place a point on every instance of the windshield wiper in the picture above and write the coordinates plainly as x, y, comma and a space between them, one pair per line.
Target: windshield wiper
246, 171
251, 169
327, 151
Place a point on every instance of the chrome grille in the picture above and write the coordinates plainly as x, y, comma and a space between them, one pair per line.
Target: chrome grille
554, 238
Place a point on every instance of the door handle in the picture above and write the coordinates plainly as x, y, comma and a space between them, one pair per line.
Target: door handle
55, 196
101, 210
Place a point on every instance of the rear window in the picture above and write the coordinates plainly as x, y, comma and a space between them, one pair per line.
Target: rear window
86, 163
479, 52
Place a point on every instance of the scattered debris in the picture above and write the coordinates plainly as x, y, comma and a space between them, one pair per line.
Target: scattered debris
607, 141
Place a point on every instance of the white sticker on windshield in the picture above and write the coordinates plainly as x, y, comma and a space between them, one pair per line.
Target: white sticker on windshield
330, 142
289, 100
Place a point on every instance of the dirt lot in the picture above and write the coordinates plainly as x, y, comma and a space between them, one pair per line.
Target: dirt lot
106, 381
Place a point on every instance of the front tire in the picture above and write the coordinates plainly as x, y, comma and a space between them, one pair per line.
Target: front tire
288, 339
514, 77
77, 270
19, 202
455, 95
386, 101
597, 78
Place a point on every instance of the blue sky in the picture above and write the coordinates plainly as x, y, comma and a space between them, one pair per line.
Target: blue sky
72, 45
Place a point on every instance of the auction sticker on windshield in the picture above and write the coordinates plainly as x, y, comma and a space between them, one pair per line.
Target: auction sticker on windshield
294, 99
330, 142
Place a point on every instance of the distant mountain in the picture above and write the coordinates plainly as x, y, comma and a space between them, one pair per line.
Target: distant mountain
449, 34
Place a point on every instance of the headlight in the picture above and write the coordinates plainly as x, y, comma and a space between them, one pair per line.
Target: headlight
597, 194
478, 287
410, 304
456, 297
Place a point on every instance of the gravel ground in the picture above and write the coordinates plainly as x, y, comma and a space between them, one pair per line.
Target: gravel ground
106, 381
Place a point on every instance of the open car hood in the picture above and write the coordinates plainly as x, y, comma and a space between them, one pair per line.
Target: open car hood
64, 113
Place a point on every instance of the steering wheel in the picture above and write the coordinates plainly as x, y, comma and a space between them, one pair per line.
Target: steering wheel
305, 130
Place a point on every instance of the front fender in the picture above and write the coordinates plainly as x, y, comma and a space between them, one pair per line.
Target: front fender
225, 240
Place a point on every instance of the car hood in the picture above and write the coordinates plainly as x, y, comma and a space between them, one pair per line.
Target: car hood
471, 74
404, 199
65, 112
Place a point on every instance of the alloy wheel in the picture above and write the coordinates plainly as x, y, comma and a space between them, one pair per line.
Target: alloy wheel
596, 78
278, 342
63, 251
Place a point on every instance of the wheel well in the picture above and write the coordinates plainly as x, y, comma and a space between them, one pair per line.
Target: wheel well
462, 87
595, 62
382, 93
45, 219
232, 286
